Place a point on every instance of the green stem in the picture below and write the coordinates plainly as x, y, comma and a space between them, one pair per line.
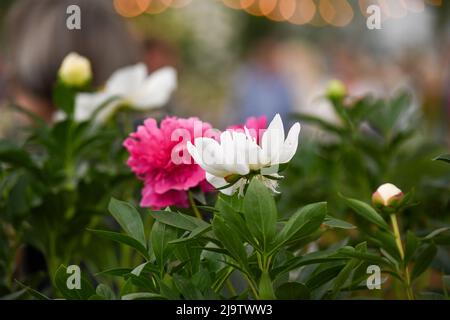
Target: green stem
252, 287
231, 288
398, 241
194, 206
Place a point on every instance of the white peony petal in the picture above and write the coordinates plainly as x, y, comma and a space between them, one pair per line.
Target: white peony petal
218, 182
388, 191
126, 80
291, 144
234, 152
87, 103
208, 155
155, 91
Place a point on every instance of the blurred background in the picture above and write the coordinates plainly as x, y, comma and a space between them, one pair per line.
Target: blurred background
241, 58
238, 58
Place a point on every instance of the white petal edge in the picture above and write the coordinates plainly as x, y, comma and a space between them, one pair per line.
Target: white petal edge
125, 80
155, 91
290, 145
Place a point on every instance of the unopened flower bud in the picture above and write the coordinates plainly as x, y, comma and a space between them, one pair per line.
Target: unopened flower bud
75, 70
387, 195
336, 90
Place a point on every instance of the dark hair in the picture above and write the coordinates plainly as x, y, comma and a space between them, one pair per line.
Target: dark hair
38, 40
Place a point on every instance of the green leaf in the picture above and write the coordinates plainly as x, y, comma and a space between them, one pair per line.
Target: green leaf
161, 235
142, 296
105, 292
302, 223
187, 288
128, 218
366, 212
61, 280
307, 259
345, 273
118, 272
293, 291
178, 220
443, 157
337, 223
36, 294
350, 252
230, 240
435, 233
122, 238
412, 242
423, 260
322, 276
385, 240
144, 267
193, 235
234, 219
14, 155
260, 213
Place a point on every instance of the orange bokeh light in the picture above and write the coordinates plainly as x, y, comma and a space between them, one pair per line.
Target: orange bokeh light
131, 8
304, 12
267, 6
338, 13
287, 8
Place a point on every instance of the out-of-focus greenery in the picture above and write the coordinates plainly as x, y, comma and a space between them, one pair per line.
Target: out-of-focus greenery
53, 186
373, 142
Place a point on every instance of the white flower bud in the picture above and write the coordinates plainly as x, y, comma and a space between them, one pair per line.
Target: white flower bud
387, 194
75, 70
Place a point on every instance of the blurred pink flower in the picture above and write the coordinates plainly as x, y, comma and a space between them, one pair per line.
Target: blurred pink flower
159, 157
255, 126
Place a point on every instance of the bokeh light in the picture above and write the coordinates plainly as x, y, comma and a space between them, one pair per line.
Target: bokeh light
337, 13
131, 8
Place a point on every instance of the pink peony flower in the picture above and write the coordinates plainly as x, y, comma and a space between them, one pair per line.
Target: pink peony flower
159, 157
255, 126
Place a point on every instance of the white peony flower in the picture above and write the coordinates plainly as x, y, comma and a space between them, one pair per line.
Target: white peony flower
128, 86
387, 194
75, 70
237, 158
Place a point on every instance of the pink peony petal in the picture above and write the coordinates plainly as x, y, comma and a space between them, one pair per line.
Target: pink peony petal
159, 156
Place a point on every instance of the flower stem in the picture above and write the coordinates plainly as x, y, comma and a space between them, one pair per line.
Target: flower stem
252, 287
194, 206
231, 288
398, 241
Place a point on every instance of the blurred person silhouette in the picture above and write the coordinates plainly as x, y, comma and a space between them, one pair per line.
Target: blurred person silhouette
259, 86
37, 40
